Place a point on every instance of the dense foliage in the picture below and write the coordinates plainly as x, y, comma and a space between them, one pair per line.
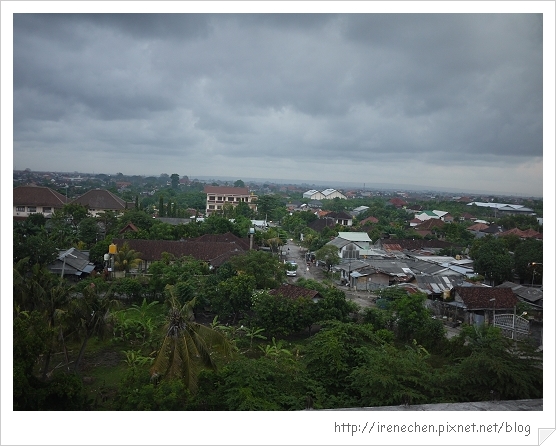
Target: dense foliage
186, 337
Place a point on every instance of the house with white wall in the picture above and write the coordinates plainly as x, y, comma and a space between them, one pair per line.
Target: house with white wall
327, 194
31, 199
101, 200
220, 196
352, 245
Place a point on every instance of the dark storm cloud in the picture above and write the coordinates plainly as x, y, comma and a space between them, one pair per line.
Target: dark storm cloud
440, 88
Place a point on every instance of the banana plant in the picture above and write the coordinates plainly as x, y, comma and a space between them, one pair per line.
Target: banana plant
253, 333
275, 349
134, 358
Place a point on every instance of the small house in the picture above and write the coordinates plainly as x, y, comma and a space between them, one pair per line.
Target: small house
479, 304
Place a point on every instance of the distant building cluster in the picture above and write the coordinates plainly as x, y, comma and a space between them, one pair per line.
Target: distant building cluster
32, 199
218, 197
327, 194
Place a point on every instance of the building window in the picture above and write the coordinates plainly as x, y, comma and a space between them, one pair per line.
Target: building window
230, 198
31, 209
211, 198
47, 209
351, 252
20, 208
211, 206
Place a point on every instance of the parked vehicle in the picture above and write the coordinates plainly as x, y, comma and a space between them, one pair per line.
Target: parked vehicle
291, 269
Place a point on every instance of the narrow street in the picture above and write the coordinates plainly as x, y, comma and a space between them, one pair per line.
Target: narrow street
364, 299
297, 254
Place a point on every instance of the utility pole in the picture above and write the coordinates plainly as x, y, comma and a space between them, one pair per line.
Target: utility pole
533, 264
493, 310
251, 234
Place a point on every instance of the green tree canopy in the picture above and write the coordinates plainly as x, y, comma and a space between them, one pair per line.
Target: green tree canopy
492, 259
267, 269
528, 257
270, 207
390, 377
329, 255
234, 296
175, 179
215, 224
88, 231
281, 315
334, 352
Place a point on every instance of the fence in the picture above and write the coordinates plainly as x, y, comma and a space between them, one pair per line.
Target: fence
512, 326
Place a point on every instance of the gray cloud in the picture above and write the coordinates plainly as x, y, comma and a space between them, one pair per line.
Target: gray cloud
339, 97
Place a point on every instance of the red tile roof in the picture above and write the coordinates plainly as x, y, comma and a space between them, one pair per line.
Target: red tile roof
214, 252
102, 199
228, 237
392, 247
129, 227
295, 292
529, 233
38, 196
398, 202
532, 233
369, 220
411, 245
475, 297
467, 216
429, 224
340, 215
226, 190
477, 227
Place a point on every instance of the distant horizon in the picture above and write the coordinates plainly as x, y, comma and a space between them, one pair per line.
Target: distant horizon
300, 182
417, 100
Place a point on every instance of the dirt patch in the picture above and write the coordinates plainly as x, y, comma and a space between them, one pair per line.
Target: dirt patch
364, 300
106, 358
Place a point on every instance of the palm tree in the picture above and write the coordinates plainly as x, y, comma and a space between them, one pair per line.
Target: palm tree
55, 307
274, 243
186, 347
126, 259
38, 289
30, 285
308, 240
92, 315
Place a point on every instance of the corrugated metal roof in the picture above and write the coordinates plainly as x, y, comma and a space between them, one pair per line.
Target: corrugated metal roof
436, 284
435, 288
533, 295
436, 259
355, 236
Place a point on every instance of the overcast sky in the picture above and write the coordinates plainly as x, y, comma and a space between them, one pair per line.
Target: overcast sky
438, 100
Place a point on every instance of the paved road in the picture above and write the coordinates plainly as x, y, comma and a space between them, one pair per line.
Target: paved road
297, 254
362, 298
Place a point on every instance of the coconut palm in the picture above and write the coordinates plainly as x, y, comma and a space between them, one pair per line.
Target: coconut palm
186, 348
92, 315
55, 309
35, 288
126, 259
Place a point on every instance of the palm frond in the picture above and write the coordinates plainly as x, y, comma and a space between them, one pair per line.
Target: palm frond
186, 347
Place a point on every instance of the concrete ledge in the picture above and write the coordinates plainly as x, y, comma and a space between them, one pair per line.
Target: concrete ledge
509, 405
